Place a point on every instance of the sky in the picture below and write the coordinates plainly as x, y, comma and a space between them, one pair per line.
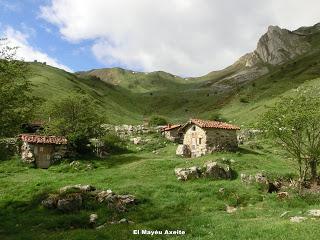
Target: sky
183, 37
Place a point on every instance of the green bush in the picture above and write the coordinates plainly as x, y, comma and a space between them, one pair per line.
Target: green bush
112, 143
217, 117
157, 121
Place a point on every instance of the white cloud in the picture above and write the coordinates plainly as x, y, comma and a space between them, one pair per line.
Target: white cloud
186, 37
28, 53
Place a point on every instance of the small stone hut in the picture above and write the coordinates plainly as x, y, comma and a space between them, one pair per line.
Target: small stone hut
171, 132
42, 150
204, 136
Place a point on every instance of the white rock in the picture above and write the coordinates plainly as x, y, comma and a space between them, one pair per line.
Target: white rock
297, 219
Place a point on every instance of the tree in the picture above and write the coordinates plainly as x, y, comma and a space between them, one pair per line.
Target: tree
75, 117
295, 123
16, 101
157, 121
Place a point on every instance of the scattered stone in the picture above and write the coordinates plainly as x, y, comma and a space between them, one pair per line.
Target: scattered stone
283, 195
188, 173
314, 212
77, 188
216, 170
297, 219
183, 151
221, 190
231, 209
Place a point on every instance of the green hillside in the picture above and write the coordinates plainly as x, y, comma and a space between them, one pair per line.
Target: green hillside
126, 96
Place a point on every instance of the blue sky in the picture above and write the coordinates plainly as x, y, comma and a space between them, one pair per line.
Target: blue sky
23, 16
183, 37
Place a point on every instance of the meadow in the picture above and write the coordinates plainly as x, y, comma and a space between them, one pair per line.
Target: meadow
196, 206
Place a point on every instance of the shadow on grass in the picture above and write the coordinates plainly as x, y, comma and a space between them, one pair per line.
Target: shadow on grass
248, 151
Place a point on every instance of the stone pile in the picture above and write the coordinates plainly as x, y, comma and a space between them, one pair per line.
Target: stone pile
260, 178
72, 198
211, 170
127, 130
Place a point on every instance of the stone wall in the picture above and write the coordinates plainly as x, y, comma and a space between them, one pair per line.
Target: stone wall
203, 141
172, 135
28, 153
191, 138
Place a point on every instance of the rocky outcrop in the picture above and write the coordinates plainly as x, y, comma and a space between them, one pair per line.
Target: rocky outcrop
216, 170
277, 46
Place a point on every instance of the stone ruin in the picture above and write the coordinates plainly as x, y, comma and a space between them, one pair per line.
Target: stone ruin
73, 198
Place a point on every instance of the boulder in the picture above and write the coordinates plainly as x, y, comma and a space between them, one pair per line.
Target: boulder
216, 170
183, 150
70, 203
105, 196
188, 173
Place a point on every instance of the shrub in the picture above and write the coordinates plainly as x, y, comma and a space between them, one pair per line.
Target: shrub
244, 100
217, 117
157, 121
112, 143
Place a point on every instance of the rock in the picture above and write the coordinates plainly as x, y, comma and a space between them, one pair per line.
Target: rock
314, 212
260, 178
273, 187
221, 190
216, 170
77, 188
123, 220
105, 196
51, 201
126, 199
231, 209
136, 140
297, 219
282, 195
71, 203
93, 218
101, 226
188, 173
183, 151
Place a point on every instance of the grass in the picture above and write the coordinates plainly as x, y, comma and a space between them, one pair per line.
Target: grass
195, 206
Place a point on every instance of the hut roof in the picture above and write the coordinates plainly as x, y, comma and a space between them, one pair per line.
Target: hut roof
170, 127
211, 124
31, 138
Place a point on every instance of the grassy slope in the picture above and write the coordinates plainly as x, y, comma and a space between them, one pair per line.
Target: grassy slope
166, 203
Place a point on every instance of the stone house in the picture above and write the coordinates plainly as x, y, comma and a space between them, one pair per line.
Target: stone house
42, 150
203, 136
171, 132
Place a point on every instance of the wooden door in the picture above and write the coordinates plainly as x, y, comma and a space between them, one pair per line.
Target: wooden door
43, 159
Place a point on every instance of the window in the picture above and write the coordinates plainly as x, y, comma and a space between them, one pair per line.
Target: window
199, 140
193, 128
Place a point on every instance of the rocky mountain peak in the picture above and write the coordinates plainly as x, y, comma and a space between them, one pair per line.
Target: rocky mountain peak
276, 46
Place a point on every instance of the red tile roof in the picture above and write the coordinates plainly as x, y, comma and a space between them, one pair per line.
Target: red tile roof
170, 127
30, 138
213, 124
